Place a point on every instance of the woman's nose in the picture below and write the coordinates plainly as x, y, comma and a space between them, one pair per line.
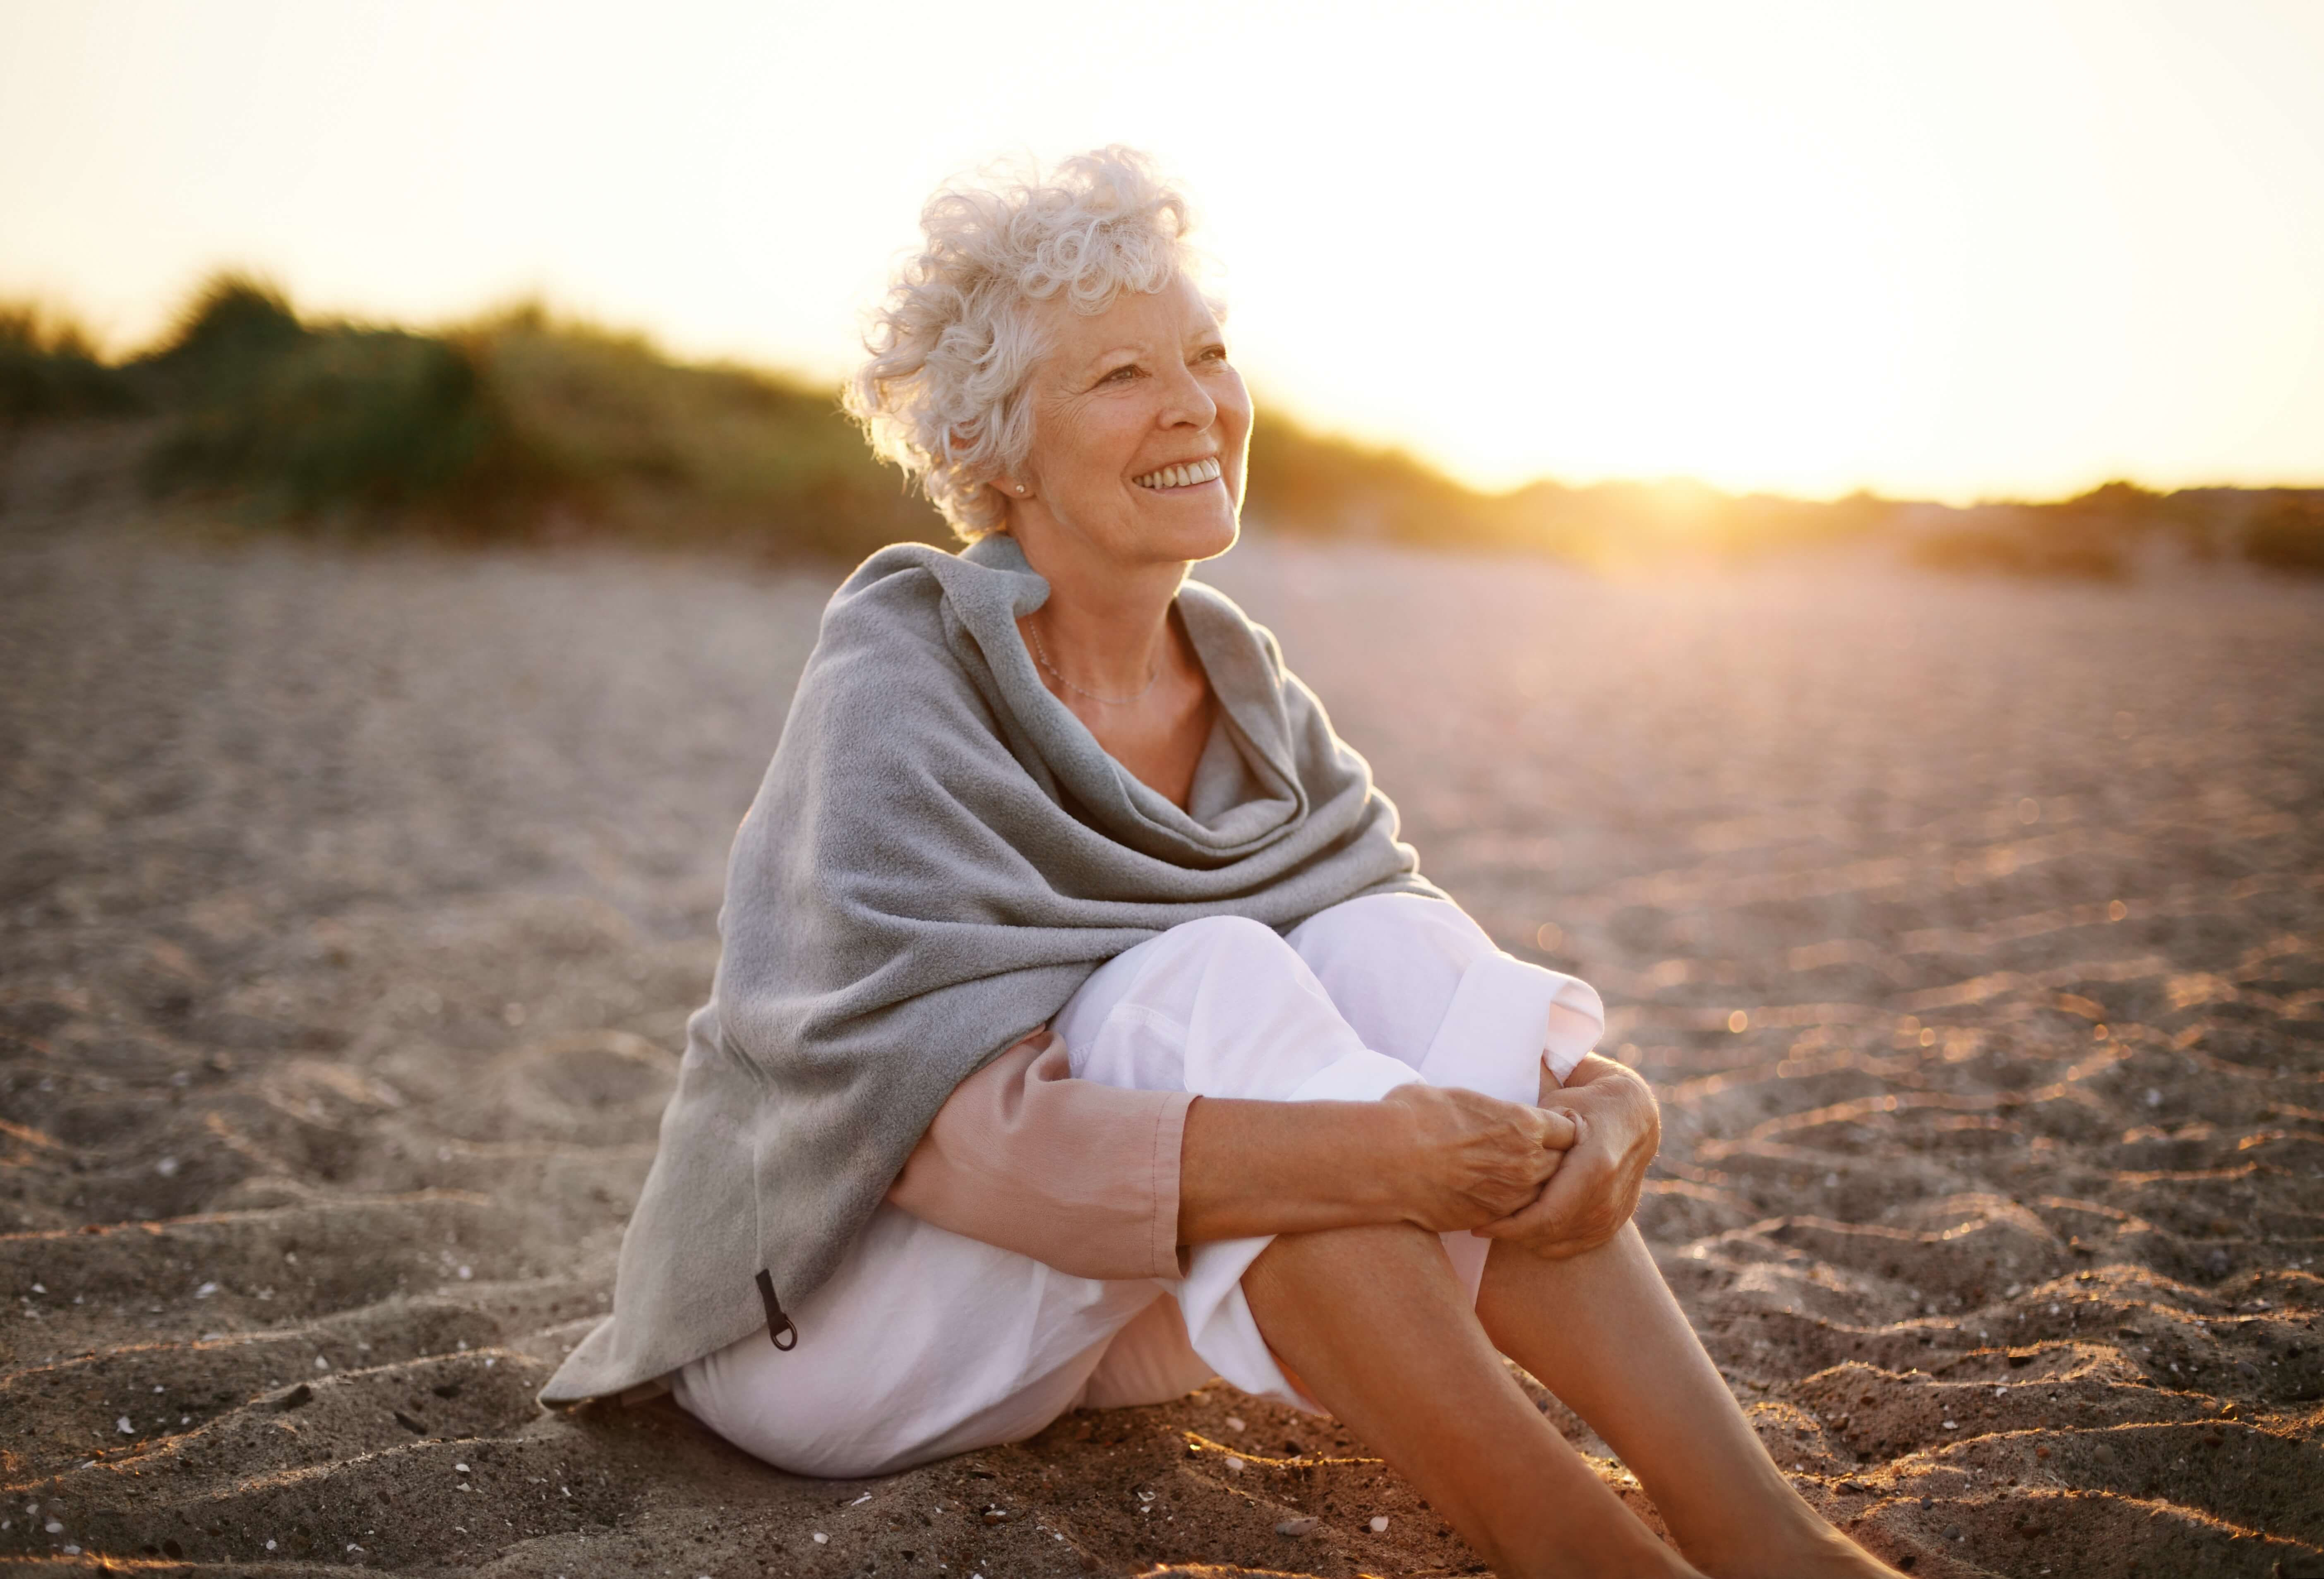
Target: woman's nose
1188, 403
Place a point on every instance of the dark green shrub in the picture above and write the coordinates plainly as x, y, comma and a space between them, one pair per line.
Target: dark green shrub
510, 426
227, 341
341, 417
2287, 533
2021, 541
604, 427
310, 419
49, 370
1303, 482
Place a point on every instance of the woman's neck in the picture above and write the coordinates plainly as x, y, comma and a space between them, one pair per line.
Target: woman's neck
1107, 649
1105, 628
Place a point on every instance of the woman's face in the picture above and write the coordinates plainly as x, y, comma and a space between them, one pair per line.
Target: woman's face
1140, 428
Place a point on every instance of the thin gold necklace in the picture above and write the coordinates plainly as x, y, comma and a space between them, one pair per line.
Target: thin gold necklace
1042, 653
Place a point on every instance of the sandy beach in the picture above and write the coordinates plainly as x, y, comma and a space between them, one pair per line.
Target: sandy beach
352, 901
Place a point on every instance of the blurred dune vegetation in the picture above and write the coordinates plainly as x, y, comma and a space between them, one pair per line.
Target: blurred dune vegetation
526, 425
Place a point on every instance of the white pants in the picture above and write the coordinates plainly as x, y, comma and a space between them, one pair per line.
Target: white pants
925, 1344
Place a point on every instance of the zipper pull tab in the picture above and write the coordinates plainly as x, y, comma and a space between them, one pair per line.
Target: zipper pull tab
781, 1330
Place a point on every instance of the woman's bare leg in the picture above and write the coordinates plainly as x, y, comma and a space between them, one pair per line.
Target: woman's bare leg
1602, 1331
1381, 1333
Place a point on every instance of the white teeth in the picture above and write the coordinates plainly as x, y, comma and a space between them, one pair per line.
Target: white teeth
1180, 476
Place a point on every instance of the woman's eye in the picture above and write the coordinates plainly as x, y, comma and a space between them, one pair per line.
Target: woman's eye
1122, 375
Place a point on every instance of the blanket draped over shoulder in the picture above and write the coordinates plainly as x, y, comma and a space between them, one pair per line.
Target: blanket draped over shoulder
939, 855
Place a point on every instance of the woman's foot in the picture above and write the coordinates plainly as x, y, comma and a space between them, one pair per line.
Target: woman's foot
1821, 1553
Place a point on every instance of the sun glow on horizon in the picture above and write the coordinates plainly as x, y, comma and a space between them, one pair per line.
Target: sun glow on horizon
1940, 252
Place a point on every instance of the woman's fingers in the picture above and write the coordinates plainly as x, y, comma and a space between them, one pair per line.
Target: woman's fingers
1583, 1205
1478, 1159
1531, 1169
1558, 1212
1555, 1127
1537, 1142
1560, 1180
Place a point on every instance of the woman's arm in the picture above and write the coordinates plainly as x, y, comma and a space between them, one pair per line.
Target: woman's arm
1078, 1175
1438, 1157
1106, 1182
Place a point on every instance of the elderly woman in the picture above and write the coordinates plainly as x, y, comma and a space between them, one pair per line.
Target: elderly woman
1081, 1031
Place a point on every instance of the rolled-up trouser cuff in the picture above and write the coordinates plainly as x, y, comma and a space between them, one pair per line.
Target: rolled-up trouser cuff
1502, 1004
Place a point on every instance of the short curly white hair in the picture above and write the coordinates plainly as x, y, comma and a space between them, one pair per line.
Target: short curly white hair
943, 391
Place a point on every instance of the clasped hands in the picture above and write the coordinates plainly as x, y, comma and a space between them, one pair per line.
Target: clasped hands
1560, 1179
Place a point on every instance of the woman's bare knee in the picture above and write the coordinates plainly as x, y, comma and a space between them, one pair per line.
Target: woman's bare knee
1384, 1255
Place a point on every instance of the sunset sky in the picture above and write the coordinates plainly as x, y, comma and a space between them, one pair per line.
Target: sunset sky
1945, 250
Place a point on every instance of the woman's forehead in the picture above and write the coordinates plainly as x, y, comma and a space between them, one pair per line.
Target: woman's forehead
1133, 320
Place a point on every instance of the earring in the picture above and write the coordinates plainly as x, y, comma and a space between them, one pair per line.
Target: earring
1020, 487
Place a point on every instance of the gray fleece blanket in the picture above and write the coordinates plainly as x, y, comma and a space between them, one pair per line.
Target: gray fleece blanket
939, 857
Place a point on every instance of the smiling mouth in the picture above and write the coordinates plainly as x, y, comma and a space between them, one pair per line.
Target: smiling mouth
1206, 470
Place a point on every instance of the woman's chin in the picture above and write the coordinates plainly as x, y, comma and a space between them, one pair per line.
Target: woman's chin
1192, 534
1219, 541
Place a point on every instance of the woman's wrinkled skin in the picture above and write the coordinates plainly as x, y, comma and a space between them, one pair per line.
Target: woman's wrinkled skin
1355, 1294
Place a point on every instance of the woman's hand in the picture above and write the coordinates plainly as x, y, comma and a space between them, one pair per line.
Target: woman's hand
1435, 1156
1463, 1160
1595, 1189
